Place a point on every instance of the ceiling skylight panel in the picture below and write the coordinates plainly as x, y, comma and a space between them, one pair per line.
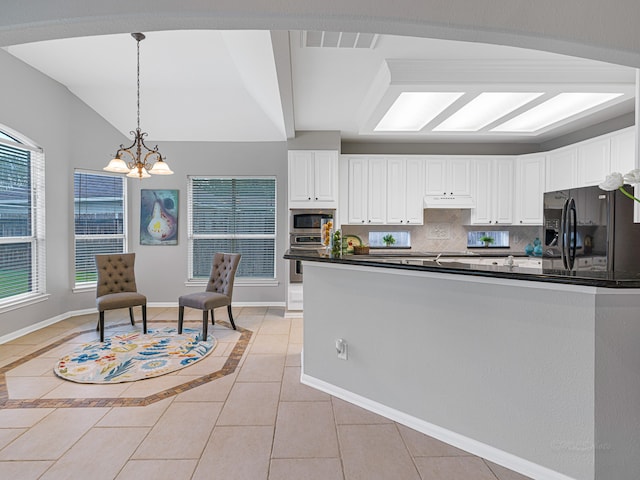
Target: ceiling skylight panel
558, 108
413, 110
486, 108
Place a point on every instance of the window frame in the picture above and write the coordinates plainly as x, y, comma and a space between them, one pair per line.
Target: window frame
83, 286
191, 237
37, 238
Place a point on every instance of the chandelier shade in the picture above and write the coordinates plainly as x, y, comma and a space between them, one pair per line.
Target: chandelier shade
137, 160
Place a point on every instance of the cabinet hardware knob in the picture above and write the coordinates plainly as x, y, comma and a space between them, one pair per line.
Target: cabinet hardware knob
316, 198
400, 221
520, 221
308, 198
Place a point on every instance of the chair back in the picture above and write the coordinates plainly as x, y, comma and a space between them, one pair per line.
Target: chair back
115, 273
223, 271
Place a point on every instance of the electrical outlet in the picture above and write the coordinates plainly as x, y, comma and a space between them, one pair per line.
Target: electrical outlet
342, 348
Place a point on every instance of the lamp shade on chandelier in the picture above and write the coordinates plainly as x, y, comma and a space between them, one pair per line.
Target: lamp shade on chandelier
137, 160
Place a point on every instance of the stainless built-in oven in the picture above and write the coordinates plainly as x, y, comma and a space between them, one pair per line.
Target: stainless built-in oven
304, 234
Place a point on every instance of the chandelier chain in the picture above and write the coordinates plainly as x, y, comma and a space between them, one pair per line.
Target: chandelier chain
138, 82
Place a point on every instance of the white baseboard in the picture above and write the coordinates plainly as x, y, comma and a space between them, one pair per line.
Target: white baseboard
63, 316
235, 304
507, 460
45, 323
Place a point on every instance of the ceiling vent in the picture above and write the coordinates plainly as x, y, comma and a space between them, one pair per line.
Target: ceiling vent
338, 39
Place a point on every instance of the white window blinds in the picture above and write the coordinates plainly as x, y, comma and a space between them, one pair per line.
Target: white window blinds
99, 219
22, 246
232, 215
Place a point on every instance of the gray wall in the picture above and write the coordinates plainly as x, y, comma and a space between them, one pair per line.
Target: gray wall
500, 362
74, 136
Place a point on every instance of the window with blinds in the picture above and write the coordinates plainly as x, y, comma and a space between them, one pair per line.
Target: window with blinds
22, 243
232, 215
99, 209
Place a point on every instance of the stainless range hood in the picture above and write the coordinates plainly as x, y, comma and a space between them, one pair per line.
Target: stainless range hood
449, 201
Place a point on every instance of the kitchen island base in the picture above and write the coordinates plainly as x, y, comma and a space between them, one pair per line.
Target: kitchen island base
542, 378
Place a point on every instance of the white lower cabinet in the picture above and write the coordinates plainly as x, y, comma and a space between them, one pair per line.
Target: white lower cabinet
530, 187
493, 191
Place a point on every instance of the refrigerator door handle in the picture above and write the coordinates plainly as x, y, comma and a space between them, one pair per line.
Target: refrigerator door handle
573, 233
564, 234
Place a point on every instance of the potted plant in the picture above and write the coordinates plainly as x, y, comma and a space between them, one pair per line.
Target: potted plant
487, 240
388, 240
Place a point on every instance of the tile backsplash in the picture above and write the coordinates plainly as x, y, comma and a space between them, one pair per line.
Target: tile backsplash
445, 230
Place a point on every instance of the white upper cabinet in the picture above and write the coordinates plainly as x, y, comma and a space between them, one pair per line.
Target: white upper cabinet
367, 190
623, 151
448, 176
530, 187
594, 161
562, 169
405, 191
493, 191
313, 179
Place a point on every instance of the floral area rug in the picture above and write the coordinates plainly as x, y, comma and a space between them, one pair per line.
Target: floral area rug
133, 356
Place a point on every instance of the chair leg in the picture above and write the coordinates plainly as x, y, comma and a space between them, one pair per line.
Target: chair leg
205, 314
101, 327
133, 322
144, 319
233, 324
180, 318
213, 322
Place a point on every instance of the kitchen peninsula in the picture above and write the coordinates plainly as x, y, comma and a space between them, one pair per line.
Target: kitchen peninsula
538, 371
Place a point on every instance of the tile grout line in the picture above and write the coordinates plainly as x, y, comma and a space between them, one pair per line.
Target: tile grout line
228, 368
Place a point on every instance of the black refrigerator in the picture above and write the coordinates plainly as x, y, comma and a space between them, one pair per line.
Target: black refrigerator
590, 229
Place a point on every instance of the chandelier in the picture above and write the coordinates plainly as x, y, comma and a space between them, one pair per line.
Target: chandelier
138, 158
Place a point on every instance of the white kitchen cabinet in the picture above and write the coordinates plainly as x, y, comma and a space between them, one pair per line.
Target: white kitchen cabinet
594, 161
493, 191
529, 188
405, 191
448, 176
562, 169
623, 151
367, 191
313, 179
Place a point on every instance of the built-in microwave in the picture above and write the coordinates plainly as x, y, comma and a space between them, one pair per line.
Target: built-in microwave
308, 220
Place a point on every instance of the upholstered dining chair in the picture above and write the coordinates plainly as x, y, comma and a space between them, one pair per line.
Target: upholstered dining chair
218, 293
117, 287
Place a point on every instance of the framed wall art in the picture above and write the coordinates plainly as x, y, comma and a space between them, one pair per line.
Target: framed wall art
159, 217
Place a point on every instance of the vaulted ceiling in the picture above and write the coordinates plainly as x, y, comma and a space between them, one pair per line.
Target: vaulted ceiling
212, 85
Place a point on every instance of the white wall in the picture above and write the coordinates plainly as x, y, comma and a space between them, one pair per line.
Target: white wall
74, 136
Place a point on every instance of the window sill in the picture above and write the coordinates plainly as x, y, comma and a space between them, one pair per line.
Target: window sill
41, 297
255, 282
90, 287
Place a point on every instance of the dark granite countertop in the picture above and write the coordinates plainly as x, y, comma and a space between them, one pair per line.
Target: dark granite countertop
425, 261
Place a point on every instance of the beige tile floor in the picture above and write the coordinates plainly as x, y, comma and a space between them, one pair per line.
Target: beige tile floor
256, 423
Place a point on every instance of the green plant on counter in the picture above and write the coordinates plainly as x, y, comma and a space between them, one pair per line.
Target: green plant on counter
336, 244
388, 240
487, 240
